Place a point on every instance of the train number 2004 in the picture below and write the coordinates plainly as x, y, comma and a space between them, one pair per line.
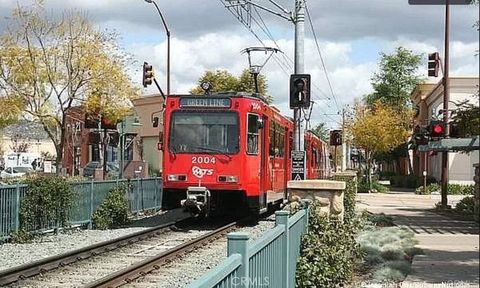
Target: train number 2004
203, 160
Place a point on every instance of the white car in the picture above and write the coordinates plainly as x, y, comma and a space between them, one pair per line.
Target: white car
11, 172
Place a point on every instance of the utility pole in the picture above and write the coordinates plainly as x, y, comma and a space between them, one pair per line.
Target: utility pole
344, 145
167, 31
242, 10
446, 98
299, 21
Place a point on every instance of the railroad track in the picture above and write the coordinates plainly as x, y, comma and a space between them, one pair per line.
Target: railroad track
145, 267
129, 256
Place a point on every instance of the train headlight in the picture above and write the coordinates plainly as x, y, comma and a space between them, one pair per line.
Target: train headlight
176, 177
228, 179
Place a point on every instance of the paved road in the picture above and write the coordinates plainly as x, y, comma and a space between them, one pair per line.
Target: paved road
451, 246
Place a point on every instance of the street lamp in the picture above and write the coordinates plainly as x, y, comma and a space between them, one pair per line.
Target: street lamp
122, 144
168, 43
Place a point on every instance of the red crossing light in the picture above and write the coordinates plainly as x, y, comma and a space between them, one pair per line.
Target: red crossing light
437, 129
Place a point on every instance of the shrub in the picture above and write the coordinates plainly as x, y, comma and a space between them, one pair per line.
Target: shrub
328, 251
410, 181
380, 220
466, 206
113, 212
458, 189
385, 175
387, 252
349, 195
430, 189
46, 204
377, 187
453, 189
387, 274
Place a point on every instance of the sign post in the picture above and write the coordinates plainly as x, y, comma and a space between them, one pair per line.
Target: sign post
298, 165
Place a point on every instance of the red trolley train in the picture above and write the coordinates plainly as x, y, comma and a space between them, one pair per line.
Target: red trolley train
230, 153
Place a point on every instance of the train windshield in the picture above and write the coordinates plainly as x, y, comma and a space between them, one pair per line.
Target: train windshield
204, 132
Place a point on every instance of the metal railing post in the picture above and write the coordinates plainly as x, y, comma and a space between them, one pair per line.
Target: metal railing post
307, 215
142, 194
237, 244
281, 218
155, 194
17, 208
90, 223
160, 190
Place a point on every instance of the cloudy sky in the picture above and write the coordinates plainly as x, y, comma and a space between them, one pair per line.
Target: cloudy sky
351, 34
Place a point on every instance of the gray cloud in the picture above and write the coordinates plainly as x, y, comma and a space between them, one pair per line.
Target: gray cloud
334, 20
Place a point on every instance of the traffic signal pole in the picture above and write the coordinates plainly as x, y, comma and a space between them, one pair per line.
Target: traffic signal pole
446, 98
299, 21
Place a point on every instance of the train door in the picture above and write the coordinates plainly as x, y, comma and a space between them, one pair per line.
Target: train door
264, 172
255, 147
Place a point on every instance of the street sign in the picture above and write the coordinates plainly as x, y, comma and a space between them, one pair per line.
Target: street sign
298, 165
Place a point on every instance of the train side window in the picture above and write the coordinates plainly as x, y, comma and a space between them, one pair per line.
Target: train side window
252, 134
314, 158
272, 146
280, 143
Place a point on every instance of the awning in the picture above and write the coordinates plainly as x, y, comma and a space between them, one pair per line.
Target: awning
452, 144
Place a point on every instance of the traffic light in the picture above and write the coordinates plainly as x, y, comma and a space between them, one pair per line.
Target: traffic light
420, 135
433, 64
299, 91
147, 74
437, 129
336, 137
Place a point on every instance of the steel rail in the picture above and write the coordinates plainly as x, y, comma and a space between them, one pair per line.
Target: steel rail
140, 269
50, 263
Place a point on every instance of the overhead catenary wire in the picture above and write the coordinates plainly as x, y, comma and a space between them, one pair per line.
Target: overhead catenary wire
321, 57
285, 64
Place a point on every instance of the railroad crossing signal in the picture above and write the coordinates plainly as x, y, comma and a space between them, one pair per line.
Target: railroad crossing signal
437, 129
299, 91
147, 74
336, 137
433, 64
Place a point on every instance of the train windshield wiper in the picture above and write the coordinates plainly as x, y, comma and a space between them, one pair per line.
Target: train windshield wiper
213, 150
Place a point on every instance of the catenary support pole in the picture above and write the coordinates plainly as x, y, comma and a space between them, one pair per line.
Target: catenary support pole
299, 19
446, 96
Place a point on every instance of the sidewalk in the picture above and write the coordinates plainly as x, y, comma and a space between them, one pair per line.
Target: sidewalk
451, 246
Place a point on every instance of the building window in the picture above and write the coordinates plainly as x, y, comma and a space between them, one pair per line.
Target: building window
129, 143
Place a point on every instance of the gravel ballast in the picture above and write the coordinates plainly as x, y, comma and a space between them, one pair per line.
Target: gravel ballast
183, 271
50, 245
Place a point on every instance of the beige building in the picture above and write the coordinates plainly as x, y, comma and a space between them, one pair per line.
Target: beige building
429, 99
146, 108
30, 135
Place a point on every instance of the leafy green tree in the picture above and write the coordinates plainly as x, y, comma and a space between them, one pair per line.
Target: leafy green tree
321, 131
396, 78
224, 81
392, 85
467, 118
49, 64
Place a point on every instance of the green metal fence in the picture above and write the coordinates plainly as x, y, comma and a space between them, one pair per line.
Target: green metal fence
144, 194
270, 261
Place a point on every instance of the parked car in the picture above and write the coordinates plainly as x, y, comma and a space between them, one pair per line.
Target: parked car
112, 169
11, 172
